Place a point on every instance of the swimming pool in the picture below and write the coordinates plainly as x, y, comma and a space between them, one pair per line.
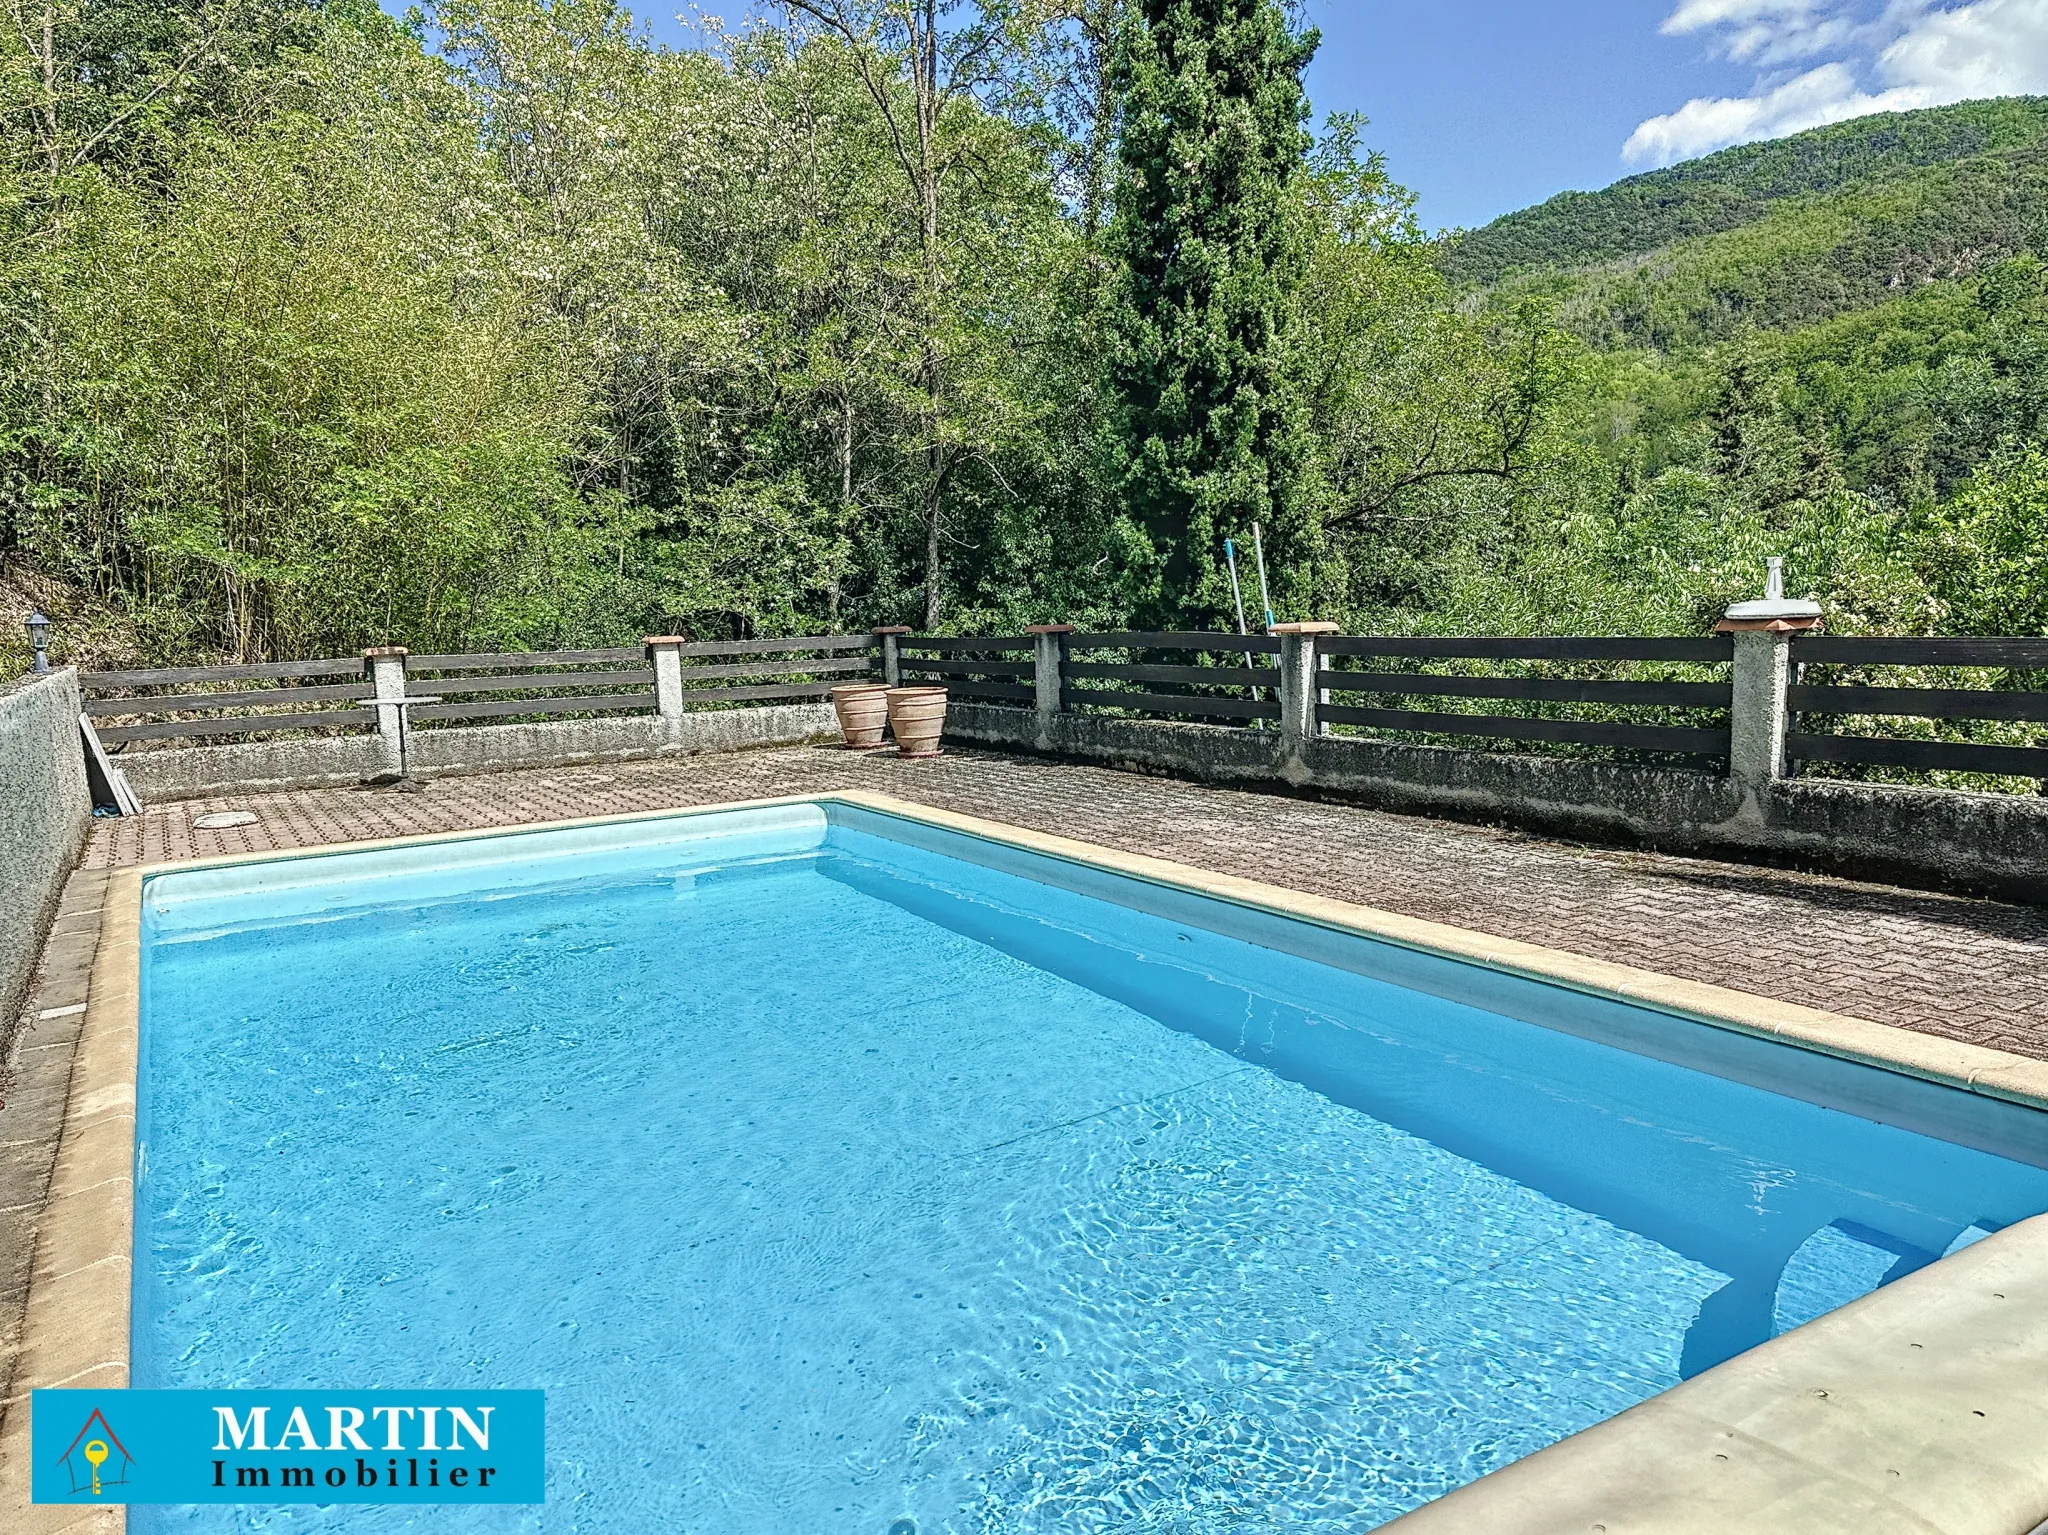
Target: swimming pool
832, 1171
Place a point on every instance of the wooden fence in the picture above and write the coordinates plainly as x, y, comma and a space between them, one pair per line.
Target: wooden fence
1632, 695
1844, 696
1602, 698
197, 702
530, 684
1209, 676
972, 668
830, 665
210, 702
1861, 706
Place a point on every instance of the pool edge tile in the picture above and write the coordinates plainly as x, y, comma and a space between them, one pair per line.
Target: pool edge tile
1915, 1409
86, 1213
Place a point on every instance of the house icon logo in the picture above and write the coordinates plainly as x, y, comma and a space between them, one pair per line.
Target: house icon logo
97, 1459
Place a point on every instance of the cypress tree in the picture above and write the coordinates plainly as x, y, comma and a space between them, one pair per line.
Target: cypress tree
1207, 425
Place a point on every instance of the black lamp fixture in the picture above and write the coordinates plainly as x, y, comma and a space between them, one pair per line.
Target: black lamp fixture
38, 638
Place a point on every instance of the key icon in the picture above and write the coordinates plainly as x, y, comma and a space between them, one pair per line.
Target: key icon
96, 1452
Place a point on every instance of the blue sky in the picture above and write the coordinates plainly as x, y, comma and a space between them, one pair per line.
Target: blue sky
1484, 106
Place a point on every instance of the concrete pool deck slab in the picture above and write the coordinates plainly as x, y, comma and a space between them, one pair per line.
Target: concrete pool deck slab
1798, 1476
74, 1327
1917, 1410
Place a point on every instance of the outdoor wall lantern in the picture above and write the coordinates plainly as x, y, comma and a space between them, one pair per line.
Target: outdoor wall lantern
38, 638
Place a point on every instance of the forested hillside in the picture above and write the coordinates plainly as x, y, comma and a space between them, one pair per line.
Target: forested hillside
507, 327
1845, 331
1737, 186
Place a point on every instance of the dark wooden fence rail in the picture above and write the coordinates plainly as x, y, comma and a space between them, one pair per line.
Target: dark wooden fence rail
204, 702
196, 710
972, 668
1231, 689
709, 669
717, 661
594, 680
2007, 659
1699, 742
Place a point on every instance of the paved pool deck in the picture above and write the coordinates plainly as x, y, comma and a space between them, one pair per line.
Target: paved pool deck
1942, 965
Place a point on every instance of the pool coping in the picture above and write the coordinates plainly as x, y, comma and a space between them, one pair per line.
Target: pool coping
76, 1327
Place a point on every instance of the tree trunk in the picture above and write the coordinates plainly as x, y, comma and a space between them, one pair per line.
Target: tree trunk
926, 72
931, 541
50, 146
832, 593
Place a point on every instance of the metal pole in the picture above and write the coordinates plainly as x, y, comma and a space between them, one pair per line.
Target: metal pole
1237, 596
1265, 598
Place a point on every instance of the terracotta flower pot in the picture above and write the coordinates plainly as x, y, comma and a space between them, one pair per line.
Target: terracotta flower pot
917, 715
863, 710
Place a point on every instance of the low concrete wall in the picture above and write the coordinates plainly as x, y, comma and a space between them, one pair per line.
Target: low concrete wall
249, 767
45, 814
246, 767
486, 748
1992, 842
1989, 843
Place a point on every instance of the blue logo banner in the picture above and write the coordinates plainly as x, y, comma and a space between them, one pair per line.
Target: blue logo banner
288, 1446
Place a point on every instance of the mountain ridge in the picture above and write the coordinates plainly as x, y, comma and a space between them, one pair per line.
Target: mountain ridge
1738, 187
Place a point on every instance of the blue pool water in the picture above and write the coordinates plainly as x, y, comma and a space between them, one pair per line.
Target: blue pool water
826, 1181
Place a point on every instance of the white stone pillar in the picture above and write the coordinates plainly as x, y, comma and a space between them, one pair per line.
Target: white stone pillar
1049, 663
665, 653
1298, 694
892, 656
384, 666
1757, 716
1758, 720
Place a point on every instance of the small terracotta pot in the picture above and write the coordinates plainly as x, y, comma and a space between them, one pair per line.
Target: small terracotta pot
863, 710
917, 715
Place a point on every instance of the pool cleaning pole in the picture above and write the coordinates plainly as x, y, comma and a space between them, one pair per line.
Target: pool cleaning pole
1237, 596
1265, 600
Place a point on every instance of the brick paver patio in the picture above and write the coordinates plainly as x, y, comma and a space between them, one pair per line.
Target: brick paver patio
1965, 969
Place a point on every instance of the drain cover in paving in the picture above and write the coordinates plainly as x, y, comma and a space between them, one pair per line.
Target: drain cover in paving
221, 820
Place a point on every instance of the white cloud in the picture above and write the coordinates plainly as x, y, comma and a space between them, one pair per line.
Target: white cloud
1696, 15
1911, 53
1760, 31
1993, 48
1824, 95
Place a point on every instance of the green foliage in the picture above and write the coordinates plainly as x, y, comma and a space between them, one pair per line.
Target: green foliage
278, 391
1207, 435
506, 327
1990, 546
546, 336
1807, 260
1828, 373
1737, 186
1433, 426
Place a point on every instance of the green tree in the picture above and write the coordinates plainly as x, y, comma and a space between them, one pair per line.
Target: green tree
1989, 549
1209, 429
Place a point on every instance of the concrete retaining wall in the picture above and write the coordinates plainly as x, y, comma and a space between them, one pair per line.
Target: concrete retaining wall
45, 814
247, 767
1989, 843
485, 748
